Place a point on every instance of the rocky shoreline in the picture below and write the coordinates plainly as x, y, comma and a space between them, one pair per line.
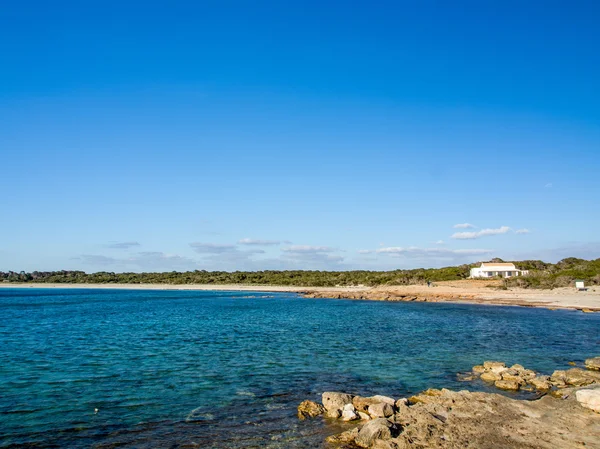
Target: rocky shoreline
566, 413
399, 294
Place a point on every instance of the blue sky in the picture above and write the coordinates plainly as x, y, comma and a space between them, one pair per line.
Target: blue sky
150, 136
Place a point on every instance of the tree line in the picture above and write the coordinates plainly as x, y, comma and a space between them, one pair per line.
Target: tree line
542, 275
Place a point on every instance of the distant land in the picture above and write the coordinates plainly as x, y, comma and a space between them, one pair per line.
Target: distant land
542, 275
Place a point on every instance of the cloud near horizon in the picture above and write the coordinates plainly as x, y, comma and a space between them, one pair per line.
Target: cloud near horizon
122, 245
146, 260
463, 226
482, 233
415, 251
259, 242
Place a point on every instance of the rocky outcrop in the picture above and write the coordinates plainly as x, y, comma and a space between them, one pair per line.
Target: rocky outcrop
517, 377
569, 417
453, 420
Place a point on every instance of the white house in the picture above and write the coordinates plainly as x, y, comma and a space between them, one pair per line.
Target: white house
490, 270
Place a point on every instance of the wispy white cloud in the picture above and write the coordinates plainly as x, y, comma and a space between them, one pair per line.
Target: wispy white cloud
419, 252
548, 185
308, 249
482, 233
258, 242
316, 256
122, 245
464, 226
439, 242
212, 248
146, 260
523, 231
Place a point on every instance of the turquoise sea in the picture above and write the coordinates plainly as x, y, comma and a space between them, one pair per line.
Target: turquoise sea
228, 369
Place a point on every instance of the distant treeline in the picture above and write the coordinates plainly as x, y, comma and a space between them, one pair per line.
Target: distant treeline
542, 275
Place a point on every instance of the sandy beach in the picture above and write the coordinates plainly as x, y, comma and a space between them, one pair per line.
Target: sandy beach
466, 291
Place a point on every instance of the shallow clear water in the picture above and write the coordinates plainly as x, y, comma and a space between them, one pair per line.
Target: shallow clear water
227, 369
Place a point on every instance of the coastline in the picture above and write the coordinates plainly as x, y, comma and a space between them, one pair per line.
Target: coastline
470, 292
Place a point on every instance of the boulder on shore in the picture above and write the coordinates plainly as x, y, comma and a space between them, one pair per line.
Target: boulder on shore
380, 410
333, 401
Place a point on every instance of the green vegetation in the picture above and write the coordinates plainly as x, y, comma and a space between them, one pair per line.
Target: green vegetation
542, 275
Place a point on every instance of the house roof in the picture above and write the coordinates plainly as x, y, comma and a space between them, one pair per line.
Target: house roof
499, 265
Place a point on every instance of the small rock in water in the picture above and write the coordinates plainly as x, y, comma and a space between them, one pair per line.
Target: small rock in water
310, 409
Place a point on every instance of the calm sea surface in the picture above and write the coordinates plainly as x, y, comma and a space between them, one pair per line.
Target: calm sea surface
228, 369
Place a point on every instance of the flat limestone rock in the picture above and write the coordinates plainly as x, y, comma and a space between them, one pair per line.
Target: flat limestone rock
593, 363
508, 385
456, 420
541, 382
580, 377
490, 376
589, 399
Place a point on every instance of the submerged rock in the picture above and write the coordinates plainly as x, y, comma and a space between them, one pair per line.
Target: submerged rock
310, 409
